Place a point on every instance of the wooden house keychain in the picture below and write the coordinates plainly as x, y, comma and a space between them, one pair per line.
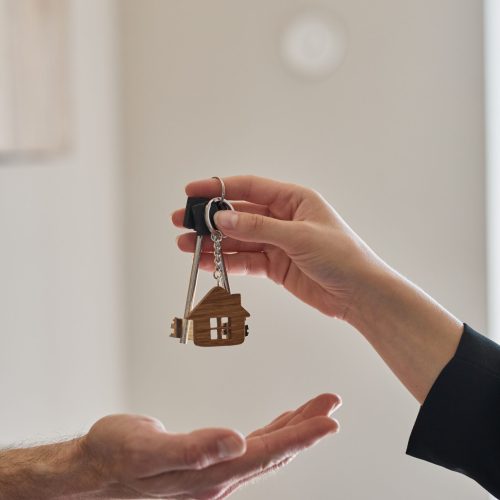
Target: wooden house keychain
218, 319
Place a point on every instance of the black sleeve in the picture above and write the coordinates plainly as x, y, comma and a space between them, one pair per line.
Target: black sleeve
458, 426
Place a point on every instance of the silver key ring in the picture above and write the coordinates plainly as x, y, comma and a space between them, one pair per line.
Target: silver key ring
219, 199
222, 188
208, 222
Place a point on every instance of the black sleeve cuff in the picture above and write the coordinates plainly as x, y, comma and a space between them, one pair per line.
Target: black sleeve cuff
458, 426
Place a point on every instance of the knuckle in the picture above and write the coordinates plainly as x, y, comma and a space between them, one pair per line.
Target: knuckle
267, 455
256, 222
131, 447
130, 460
247, 265
311, 193
248, 185
193, 456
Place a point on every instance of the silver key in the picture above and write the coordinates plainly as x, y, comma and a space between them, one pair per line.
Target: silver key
193, 279
180, 326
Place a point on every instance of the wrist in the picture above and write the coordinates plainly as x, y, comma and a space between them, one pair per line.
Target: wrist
73, 472
97, 480
84, 469
378, 288
414, 334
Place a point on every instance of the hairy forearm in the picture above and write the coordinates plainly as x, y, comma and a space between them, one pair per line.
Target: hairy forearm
414, 335
58, 470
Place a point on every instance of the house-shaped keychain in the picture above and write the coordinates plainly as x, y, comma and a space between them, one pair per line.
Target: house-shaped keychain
219, 319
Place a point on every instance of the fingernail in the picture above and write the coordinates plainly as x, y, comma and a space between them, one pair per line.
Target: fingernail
335, 407
230, 447
337, 428
226, 219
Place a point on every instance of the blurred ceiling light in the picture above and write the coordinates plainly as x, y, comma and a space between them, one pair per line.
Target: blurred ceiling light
313, 43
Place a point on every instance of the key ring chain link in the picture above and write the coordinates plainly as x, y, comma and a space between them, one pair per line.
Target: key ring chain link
219, 274
216, 238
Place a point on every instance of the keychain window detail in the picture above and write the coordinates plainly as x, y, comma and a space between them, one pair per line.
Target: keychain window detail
219, 318
220, 328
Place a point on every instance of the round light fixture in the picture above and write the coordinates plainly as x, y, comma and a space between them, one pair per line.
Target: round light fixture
313, 43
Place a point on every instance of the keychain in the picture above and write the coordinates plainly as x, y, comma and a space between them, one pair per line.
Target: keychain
218, 319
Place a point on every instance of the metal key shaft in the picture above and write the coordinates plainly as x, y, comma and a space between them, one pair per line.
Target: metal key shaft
225, 280
192, 287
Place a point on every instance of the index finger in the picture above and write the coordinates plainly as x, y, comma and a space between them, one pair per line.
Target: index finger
247, 188
321, 405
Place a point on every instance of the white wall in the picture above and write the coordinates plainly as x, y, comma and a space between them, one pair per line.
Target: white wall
492, 106
394, 140
61, 346
492, 87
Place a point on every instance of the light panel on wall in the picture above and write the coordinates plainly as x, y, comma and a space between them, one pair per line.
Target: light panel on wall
313, 43
33, 76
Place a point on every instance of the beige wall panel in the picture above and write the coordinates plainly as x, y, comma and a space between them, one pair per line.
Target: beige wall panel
61, 343
33, 75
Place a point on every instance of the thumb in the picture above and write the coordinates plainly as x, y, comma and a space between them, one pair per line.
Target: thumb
204, 447
245, 226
